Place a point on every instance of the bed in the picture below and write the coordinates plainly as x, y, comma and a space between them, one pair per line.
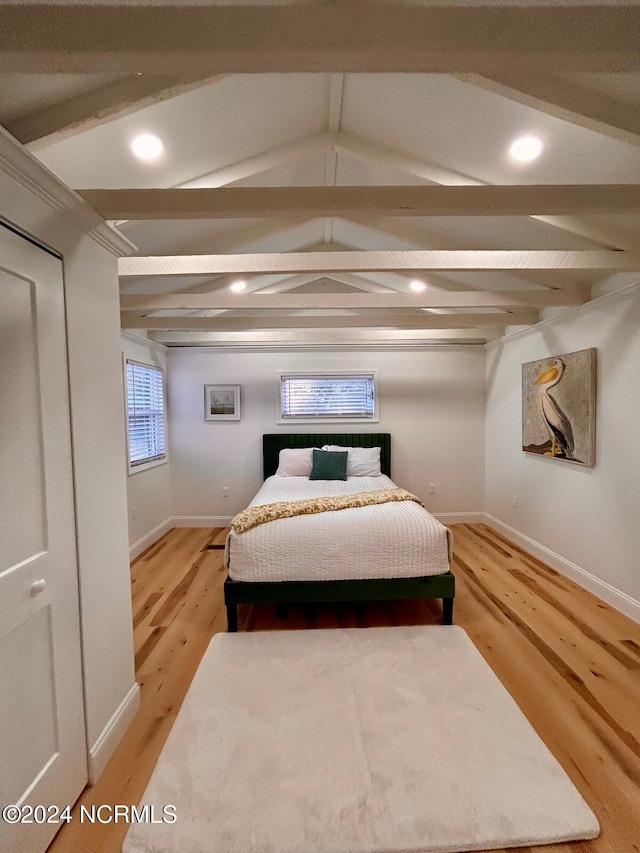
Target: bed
382, 552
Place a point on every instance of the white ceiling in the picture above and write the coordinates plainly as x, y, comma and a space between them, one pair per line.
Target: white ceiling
354, 129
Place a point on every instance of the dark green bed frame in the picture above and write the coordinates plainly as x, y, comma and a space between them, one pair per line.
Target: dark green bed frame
299, 592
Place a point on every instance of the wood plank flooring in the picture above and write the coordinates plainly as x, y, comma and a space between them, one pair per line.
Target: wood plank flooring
571, 662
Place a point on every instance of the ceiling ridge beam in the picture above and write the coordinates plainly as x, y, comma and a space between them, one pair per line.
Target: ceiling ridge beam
379, 261
358, 36
266, 202
566, 100
503, 300
334, 117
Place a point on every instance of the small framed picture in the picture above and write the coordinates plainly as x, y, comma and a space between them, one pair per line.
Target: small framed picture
222, 402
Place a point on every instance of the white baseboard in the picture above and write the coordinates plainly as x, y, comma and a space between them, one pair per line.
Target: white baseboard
201, 520
110, 737
149, 538
460, 517
620, 600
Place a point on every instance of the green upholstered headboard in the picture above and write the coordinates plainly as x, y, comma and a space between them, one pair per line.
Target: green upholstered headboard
273, 443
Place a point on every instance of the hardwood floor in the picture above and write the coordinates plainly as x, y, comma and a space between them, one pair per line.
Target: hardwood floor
571, 662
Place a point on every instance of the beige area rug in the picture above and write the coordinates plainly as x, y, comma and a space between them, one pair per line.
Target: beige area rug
375, 740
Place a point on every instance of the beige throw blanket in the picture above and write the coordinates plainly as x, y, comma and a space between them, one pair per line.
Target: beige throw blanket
254, 515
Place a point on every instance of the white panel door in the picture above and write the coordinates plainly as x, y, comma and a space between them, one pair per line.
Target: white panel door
42, 735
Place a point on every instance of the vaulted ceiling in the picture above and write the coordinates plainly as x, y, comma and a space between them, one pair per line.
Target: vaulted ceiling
330, 187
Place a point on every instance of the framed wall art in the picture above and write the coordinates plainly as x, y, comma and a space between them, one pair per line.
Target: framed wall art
222, 402
559, 407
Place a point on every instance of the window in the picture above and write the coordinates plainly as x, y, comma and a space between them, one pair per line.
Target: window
327, 396
145, 415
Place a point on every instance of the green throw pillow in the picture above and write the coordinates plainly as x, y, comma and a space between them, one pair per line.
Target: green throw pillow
329, 465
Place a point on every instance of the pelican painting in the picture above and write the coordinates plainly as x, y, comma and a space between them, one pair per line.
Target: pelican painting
557, 422
558, 407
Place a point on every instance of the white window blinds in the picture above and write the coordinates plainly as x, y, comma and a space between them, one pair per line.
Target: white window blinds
325, 396
145, 411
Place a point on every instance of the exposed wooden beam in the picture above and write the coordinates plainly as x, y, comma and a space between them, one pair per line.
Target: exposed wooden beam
365, 149
325, 262
421, 238
255, 284
503, 300
604, 234
265, 202
290, 152
246, 236
295, 151
336, 94
566, 100
76, 115
335, 321
292, 282
357, 36
329, 338
398, 282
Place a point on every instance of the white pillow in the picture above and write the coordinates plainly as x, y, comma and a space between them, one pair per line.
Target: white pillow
295, 462
362, 461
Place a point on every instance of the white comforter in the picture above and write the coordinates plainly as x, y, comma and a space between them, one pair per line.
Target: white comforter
390, 540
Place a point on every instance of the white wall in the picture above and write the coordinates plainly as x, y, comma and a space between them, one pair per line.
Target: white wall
431, 401
589, 516
148, 490
36, 202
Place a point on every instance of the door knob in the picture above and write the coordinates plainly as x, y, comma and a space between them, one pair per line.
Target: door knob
37, 587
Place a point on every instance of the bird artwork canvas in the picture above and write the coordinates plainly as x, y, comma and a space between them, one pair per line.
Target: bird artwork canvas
558, 407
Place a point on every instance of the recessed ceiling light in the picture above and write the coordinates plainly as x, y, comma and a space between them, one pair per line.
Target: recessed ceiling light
525, 149
417, 285
238, 286
147, 146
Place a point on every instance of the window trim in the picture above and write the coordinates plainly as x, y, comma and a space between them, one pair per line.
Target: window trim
151, 462
326, 419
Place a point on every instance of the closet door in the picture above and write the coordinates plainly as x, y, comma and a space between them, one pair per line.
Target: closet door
42, 734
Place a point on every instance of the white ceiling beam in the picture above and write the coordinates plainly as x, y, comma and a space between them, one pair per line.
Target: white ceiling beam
364, 149
239, 238
329, 338
408, 261
336, 94
607, 235
258, 283
604, 234
360, 283
83, 112
265, 202
566, 100
243, 236
404, 229
399, 321
295, 151
502, 300
292, 152
291, 282
317, 36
